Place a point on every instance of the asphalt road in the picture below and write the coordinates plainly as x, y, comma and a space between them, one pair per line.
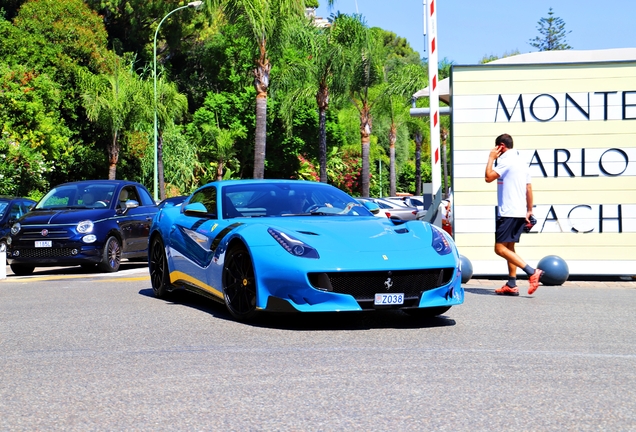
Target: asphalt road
81, 352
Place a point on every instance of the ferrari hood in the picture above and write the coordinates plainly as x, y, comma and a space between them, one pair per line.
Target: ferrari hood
358, 234
63, 217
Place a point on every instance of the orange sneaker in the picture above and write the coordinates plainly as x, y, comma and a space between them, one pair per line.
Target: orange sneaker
534, 281
506, 290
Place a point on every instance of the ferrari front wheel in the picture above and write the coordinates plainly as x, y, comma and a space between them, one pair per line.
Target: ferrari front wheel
158, 267
239, 284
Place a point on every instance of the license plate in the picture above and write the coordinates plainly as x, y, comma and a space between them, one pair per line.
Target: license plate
44, 243
389, 299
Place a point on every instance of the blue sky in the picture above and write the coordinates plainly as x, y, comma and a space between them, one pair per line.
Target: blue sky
468, 30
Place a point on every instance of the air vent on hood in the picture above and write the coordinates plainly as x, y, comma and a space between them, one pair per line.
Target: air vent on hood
307, 232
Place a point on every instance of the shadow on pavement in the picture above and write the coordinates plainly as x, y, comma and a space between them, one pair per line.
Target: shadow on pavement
313, 321
480, 291
77, 270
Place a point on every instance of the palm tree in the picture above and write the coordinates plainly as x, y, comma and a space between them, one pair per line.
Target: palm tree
114, 101
213, 140
366, 65
399, 84
265, 19
321, 72
171, 106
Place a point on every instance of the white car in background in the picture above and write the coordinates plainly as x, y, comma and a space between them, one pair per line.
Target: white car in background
419, 202
393, 209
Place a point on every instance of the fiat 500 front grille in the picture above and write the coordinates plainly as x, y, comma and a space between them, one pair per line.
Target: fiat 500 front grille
364, 285
46, 253
36, 234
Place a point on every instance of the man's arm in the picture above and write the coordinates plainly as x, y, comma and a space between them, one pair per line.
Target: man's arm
491, 174
529, 201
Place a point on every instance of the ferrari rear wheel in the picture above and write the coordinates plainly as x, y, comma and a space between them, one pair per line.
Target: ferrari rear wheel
158, 267
111, 256
239, 284
427, 312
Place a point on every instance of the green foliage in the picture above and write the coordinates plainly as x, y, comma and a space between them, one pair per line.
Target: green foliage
553, 34
223, 62
344, 168
47, 43
490, 58
63, 63
182, 168
116, 102
66, 31
34, 136
224, 111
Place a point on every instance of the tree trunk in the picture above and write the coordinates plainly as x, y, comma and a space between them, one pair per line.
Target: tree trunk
418, 163
365, 133
322, 98
160, 174
444, 137
113, 157
219, 170
392, 140
261, 83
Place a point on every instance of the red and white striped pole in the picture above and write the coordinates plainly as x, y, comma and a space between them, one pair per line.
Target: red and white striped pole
433, 91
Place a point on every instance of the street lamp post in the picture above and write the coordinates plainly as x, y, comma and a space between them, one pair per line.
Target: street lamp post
194, 4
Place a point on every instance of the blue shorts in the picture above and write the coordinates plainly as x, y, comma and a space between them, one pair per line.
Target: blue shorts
509, 229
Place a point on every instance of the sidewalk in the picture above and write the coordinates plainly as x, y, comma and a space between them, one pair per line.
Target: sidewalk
607, 282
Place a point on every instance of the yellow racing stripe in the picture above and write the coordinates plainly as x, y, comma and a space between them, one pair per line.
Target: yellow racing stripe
180, 276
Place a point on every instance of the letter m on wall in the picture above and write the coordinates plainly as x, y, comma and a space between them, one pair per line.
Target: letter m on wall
501, 104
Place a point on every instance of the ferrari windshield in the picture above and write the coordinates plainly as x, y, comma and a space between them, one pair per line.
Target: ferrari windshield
289, 199
78, 196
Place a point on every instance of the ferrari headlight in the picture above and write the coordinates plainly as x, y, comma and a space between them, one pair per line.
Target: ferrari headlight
15, 229
85, 226
440, 243
293, 245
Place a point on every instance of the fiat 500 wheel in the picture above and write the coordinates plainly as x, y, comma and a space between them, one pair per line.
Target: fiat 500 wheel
112, 256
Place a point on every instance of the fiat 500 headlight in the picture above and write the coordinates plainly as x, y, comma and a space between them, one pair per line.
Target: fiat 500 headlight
85, 226
15, 228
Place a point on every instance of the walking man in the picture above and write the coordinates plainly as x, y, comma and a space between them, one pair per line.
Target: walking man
514, 208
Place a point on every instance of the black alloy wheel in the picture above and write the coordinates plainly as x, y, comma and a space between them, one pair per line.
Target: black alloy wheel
239, 284
158, 267
430, 312
111, 256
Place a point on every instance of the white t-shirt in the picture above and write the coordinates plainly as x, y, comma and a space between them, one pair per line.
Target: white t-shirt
514, 175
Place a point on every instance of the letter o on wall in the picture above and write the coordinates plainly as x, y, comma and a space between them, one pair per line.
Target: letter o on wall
556, 107
619, 151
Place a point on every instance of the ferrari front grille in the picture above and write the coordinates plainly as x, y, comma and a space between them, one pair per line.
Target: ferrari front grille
364, 285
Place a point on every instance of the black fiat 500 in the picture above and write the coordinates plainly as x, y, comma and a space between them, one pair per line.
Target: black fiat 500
93, 223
